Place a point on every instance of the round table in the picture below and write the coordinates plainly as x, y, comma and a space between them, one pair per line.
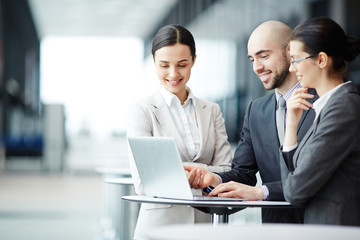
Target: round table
219, 210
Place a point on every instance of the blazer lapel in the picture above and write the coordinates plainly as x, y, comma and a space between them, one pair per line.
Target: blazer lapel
302, 143
269, 126
203, 117
308, 112
163, 115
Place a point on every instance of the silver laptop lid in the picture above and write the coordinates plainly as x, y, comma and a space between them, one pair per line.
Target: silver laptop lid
160, 167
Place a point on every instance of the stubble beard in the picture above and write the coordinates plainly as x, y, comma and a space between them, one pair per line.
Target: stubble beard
280, 78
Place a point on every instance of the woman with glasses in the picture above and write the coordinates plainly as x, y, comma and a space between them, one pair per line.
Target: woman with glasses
322, 172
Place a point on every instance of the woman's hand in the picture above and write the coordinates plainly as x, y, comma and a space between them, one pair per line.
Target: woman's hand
295, 106
199, 177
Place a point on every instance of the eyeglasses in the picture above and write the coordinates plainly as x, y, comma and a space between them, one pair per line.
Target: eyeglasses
292, 61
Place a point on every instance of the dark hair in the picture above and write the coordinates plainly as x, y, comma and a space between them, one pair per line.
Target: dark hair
322, 34
172, 34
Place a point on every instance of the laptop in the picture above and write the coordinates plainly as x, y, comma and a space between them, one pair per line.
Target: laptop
161, 169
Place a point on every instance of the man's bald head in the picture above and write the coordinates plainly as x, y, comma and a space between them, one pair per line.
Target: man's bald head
269, 53
275, 30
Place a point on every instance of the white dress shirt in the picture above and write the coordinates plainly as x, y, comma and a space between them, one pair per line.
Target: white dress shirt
185, 118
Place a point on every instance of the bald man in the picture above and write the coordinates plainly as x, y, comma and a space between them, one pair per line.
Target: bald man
258, 149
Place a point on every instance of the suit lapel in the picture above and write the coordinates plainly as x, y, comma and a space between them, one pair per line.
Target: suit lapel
203, 117
306, 125
308, 112
303, 141
163, 115
269, 126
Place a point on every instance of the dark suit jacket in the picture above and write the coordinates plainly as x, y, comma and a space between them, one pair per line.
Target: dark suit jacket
258, 150
323, 173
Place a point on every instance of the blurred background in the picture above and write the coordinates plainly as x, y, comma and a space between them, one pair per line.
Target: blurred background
70, 68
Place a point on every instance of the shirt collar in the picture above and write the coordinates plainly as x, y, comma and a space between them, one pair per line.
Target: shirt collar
287, 95
319, 104
172, 98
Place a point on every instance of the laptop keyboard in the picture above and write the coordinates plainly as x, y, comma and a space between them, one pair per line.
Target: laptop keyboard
205, 198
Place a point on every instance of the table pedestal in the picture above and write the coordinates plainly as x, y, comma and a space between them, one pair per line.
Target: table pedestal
219, 215
217, 219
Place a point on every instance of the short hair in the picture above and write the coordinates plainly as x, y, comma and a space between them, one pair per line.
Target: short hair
172, 34
323, 34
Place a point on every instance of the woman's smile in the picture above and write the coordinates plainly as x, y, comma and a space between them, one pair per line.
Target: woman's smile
174, 82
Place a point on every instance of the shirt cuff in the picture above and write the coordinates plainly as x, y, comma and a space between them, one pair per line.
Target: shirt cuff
266, 191
221, 181
288, 149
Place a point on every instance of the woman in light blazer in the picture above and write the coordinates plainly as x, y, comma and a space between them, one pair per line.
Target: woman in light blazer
172, 110
322, 172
